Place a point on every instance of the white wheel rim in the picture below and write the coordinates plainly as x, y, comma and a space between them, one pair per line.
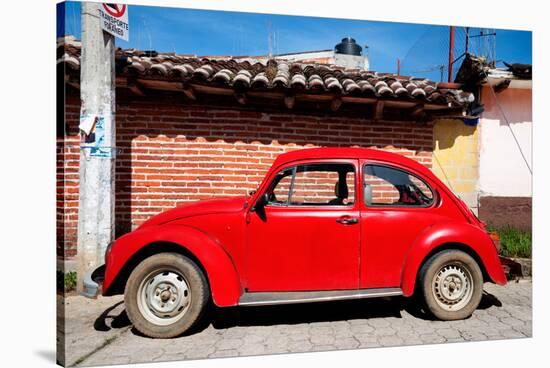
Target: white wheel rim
163, 297
452, 286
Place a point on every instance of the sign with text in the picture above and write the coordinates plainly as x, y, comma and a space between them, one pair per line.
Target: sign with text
114, 19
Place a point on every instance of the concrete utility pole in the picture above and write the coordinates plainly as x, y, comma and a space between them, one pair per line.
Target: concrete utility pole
96, 208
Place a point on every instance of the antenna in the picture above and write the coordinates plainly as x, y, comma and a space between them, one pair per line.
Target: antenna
270, 39
146, 29
467, 40
398, 66
277, 42
241, 39
139, 36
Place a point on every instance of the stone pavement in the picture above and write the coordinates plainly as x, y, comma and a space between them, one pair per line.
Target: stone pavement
98, 331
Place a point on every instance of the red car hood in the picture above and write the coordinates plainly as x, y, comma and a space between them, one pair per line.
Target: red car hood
206, 207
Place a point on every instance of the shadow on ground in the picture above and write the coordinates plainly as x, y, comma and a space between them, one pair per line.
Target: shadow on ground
116, 320
222, 318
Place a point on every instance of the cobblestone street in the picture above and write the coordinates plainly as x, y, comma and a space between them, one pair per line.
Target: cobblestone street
98, 331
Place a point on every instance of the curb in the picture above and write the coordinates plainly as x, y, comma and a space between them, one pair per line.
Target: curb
526, 265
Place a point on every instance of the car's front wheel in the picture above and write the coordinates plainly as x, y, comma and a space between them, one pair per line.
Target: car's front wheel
451, 285
165, 295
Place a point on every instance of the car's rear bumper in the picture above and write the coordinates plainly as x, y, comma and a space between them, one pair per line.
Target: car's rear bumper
92, 282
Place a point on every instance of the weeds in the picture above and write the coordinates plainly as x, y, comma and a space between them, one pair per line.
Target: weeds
67, 281
514, 242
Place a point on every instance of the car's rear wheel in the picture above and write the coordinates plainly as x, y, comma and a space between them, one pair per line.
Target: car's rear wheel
165, 295
451, 285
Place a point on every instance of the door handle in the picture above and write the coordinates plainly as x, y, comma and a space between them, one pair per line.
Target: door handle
347, 220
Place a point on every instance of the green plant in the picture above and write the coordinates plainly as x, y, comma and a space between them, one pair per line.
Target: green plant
514, 242
70, 281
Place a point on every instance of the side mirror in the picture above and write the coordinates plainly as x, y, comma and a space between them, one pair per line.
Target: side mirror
261, 202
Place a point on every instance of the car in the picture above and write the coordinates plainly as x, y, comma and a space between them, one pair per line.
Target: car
325, 224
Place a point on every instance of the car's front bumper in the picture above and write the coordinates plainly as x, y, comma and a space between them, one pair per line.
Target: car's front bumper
92, 282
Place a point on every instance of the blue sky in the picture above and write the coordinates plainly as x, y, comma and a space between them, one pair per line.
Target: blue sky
423, 49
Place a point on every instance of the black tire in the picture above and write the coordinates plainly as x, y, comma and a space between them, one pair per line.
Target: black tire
443, 277
159, 265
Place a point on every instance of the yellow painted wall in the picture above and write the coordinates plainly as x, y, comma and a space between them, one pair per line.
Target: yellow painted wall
456, 158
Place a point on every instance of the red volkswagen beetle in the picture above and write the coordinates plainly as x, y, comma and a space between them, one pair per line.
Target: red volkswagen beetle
325, 224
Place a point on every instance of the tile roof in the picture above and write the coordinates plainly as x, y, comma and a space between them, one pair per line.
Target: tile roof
243, 74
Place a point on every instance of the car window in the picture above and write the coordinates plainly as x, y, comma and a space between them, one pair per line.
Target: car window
281, 187
387, 186
314, 185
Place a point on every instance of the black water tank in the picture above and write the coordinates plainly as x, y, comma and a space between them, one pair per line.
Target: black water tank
349, 47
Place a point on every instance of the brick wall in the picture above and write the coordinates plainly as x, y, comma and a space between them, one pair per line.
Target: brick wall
171, 153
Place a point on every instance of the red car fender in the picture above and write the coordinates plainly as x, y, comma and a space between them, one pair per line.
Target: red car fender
220, 270
441, 234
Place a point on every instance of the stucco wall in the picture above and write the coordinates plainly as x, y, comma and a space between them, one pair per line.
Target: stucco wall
456, 159
503, 172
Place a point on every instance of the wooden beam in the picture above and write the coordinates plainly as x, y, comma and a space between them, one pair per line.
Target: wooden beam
136, 90
130, 84
290, 101
189, 92
359, 100
265, 94
435, 107
212, 90
136, 86
379, 110
72, 82
400, 104
121, 81
314, 98
241, 98
161, 85
455, 112
418, 111
335, 104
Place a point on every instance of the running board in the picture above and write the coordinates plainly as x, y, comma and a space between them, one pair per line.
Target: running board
291, 297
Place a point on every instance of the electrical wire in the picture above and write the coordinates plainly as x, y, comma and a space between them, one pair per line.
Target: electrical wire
443, 171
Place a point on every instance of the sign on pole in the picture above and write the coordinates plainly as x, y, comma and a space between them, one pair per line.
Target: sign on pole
114, 20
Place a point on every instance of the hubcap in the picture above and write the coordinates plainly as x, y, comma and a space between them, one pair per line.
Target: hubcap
452, 287
163, 297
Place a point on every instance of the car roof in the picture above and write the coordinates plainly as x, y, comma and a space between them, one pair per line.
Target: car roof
349, 153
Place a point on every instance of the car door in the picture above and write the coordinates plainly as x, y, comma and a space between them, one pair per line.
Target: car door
307, 236
397, 205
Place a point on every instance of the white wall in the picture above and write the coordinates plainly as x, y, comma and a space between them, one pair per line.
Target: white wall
502, 170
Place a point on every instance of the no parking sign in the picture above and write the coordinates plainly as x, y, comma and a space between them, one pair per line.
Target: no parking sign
114, 20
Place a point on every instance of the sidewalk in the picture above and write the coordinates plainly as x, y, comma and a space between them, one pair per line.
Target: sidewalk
98, 331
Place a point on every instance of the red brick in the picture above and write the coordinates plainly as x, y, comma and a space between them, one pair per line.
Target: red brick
172, 154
